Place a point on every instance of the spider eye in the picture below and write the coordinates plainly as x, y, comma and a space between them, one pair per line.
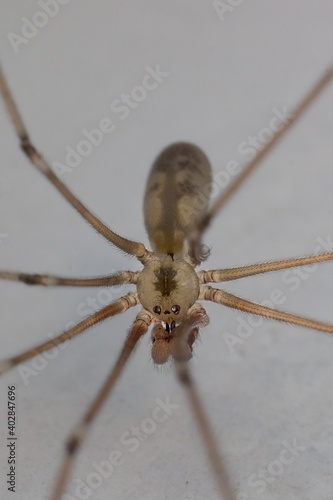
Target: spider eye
157, 310
175, 309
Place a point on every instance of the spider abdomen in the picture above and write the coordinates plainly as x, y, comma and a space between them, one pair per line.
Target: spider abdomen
177, 194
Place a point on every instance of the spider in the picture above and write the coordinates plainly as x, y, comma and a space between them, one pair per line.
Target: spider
168, 288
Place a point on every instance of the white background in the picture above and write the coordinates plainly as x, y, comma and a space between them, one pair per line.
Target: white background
225, 78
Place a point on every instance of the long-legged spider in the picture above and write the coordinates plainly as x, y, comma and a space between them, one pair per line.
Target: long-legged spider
176, 216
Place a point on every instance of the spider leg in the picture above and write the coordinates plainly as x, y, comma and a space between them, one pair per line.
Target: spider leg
229, 300
127, 246
76, 438
216, 459
118, 306
254, 163
187, 330
178, 344
235, 273
121, 278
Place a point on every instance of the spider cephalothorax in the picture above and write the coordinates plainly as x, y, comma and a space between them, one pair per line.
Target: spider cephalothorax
168, 288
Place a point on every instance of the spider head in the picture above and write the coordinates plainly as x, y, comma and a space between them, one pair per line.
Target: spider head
167, 289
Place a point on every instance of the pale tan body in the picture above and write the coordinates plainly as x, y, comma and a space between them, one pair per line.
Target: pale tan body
175, 201
168, 286
177, 195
